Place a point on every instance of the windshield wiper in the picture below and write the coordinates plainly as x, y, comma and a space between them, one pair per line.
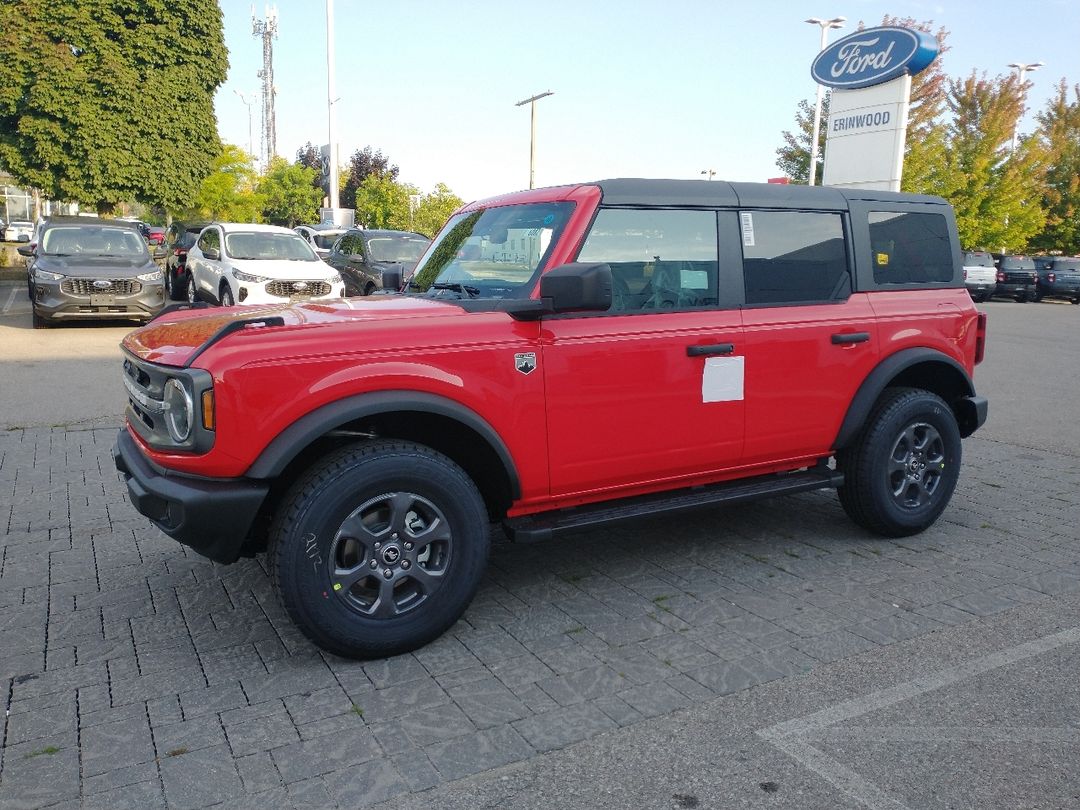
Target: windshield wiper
464, 289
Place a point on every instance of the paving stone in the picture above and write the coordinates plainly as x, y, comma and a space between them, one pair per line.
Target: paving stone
303, 760
40, 777
441, 723
262, 733
366, 784
257, 772
416, 769
578, 687
110, 781
136, 796
318, 704
982, 603
200, 778
393, 701
212, 699
481, 751
487, 703
833, 646
190, 735
654, 699
563, 726
115, 745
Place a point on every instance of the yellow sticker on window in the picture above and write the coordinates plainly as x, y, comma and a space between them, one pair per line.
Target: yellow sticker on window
883, 258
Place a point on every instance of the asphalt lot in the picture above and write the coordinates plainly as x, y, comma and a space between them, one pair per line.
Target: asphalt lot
763, 655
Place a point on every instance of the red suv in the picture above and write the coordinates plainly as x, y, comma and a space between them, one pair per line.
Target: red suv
563, 358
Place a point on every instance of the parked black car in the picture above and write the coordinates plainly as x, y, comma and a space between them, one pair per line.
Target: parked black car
1059, 277
92, 268
179, 238
367, 260
1017, 278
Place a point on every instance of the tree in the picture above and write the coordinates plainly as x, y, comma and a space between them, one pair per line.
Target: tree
382, 203
288, 195
432, 210
1059, 132
310, 157
88, 98
793, 159
364, 163
228, 192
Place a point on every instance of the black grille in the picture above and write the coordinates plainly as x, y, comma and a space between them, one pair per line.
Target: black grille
286, 289
88, 286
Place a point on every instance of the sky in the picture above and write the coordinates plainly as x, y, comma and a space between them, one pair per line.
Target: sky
641, 88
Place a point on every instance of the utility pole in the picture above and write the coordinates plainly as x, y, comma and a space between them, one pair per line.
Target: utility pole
532, 135
267, 30
331, 102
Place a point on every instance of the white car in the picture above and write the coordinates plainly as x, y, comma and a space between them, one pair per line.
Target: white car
19, 230
320, 237
240, 263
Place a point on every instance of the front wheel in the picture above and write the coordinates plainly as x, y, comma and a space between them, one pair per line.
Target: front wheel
379, 548
902, 468
189, 289
227, 296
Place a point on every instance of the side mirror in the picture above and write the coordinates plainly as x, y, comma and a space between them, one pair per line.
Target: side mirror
391, 279
26, 250
160, 252
213, 254
356, 257
577, 287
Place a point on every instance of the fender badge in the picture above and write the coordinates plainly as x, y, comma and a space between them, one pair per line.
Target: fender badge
525, 362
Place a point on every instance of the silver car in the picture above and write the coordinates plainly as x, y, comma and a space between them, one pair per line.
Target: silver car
92, 268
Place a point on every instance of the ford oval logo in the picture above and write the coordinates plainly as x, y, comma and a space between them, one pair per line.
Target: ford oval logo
102, 284
873, 56
299, 286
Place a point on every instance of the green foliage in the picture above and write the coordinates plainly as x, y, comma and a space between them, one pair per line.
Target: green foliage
432, 210
1059, 132
363, 164
381, 202
793, 158
288, 195
229, 192
88, 98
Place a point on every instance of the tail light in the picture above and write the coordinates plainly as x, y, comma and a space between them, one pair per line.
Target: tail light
965, 274
980, 338
181, 251
1001, 276
1050, 278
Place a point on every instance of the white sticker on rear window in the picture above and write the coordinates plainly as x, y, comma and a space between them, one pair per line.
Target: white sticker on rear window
722, 379
747, 228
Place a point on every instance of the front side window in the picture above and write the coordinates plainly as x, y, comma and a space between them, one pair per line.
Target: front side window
350, 244
268, 246
659, 259
402, 249
793, 256
910, 248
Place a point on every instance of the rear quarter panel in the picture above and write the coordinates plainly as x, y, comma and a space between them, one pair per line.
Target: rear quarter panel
942, 319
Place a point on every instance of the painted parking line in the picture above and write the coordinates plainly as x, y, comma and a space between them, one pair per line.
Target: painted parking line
795, 737
10, 300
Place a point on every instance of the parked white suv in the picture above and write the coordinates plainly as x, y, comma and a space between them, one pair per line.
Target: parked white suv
980, 274
240, 263
320, 237
19, 230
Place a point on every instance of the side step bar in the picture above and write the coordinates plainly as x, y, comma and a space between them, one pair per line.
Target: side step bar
534, 528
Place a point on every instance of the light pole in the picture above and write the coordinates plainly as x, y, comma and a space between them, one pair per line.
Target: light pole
251, 140
331, 101
835, 22
710, 172
532, 135
1021, 70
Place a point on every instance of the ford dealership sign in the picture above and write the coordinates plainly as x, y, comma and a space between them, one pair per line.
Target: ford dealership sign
873, 56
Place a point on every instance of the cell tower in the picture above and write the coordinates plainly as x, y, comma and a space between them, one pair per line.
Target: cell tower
267, 29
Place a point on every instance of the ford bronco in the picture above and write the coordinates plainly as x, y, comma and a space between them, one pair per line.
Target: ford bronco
561, 359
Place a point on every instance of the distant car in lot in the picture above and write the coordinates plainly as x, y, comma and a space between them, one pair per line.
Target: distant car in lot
155, 235
1016, 278
19, 230
980, 274
1059, 277
92, 268
240, 263
320, 237
180, 237
376, 260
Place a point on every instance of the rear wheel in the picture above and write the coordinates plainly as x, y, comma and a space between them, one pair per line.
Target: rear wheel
189, 289
369, 289
902, 468
379, 548
226, 296
1076, 300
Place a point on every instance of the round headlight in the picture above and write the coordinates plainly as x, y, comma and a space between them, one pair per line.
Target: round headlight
179, 410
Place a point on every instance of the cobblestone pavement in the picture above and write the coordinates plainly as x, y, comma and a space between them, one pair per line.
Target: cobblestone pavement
137, 674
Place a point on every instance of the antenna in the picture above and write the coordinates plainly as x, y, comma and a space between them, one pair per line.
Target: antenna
267, 29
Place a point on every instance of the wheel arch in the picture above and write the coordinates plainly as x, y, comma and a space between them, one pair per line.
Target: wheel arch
444, 425
924, 368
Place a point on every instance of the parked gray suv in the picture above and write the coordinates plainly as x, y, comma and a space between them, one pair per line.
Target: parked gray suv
92, 268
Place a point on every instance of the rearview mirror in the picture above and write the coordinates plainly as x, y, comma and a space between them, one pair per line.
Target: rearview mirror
26, 250
577, 287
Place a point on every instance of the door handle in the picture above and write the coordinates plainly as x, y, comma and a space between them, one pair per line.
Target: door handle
846, 338
710, 349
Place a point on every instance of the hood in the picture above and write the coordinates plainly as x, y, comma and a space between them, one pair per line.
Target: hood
95, 266
174, 337
283, 268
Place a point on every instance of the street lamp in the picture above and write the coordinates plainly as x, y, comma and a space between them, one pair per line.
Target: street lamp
709, 172
251, 140
835, 22
1021, 69
532, 135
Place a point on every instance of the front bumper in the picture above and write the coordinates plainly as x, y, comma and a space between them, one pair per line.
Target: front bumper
52, 302
210, 515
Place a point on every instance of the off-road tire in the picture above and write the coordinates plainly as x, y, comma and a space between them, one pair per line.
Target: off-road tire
875, 494
309, 534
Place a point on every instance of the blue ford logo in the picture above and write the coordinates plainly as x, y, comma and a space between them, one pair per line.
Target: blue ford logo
102, 284
873, 56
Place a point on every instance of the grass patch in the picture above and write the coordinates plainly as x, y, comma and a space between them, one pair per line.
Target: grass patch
48, 750
357, 710
791, 553
985, 526
579, 629
759, 558
177, 752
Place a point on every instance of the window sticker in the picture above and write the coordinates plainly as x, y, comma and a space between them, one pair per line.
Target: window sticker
747, 220
722, 379
882, 259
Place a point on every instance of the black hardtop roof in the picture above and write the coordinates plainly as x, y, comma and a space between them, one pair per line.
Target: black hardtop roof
639, 191
115, 223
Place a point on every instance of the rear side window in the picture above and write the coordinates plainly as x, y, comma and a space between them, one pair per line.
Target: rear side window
910, 248
793, 256
978, 260
659, 259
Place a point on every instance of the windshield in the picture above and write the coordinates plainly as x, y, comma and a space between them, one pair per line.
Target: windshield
404, 249
325, 241
92, 240
268, 246
491, 253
